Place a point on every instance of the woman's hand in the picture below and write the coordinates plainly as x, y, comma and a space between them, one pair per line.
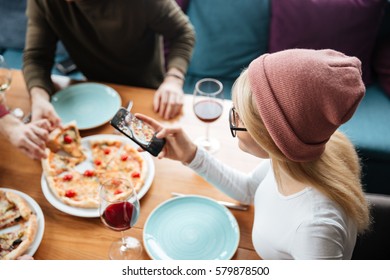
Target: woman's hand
178, 146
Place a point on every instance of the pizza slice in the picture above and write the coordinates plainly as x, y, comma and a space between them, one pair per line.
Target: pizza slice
68, 140
103, 151
130, 162
55, 164
13, 209
13, 244
18, 223
76, 189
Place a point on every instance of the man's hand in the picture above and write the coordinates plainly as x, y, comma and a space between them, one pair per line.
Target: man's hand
42, 108
168, 99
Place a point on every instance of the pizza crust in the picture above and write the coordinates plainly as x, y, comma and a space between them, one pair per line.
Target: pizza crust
86, 189
86, 203
52, 186
24, 228
45, 163
30, 230
144, 173
21, 204
139, 182
9, 214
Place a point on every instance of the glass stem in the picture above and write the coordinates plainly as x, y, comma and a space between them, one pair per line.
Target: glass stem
207, 132
124, 245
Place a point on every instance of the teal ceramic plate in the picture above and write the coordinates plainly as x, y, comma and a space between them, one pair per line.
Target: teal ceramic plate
90, 104
191, 228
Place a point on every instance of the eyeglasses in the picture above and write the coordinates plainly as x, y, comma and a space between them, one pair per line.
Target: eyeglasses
233, 121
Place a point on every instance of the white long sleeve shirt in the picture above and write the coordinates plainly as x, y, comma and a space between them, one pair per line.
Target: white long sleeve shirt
305, 225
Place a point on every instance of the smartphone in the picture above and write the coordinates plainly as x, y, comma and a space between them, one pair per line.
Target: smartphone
66, 66
138, 131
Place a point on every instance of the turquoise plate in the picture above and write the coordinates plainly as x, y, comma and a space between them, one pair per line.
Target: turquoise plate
191, 228
89, 104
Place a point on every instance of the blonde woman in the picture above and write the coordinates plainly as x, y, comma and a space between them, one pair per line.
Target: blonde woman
307, 193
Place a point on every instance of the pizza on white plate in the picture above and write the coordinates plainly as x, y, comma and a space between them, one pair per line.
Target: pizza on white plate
103, 151
76, 189
130, 162
18, 225
107, 157
56, 163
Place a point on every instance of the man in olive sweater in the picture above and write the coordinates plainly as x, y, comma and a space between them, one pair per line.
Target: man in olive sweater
116, 41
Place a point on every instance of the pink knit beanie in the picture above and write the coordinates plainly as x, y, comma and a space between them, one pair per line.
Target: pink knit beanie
303, 96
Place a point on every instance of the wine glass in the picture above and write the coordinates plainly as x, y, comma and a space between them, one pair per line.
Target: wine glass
119, 210
5, 83
208, 107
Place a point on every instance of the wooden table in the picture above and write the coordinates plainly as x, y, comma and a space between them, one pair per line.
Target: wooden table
68, 237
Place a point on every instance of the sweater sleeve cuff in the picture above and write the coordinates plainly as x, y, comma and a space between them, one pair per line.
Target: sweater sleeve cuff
198, 159
180, 63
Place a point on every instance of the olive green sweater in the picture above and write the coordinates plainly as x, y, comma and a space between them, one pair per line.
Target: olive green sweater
116, 41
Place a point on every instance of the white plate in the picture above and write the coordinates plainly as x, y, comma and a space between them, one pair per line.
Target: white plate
41, 220
94, 212
89, 104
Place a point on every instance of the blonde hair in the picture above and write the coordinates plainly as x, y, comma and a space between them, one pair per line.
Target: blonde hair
336, 173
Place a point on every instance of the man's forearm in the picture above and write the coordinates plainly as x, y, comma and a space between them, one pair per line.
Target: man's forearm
38, 93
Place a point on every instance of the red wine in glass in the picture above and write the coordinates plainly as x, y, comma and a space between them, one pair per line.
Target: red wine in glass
120, 216
208, 110
119, 209
208, 107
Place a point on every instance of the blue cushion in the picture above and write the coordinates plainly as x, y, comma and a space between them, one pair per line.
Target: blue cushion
13, 22
229, 35
14, 59
369, 128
